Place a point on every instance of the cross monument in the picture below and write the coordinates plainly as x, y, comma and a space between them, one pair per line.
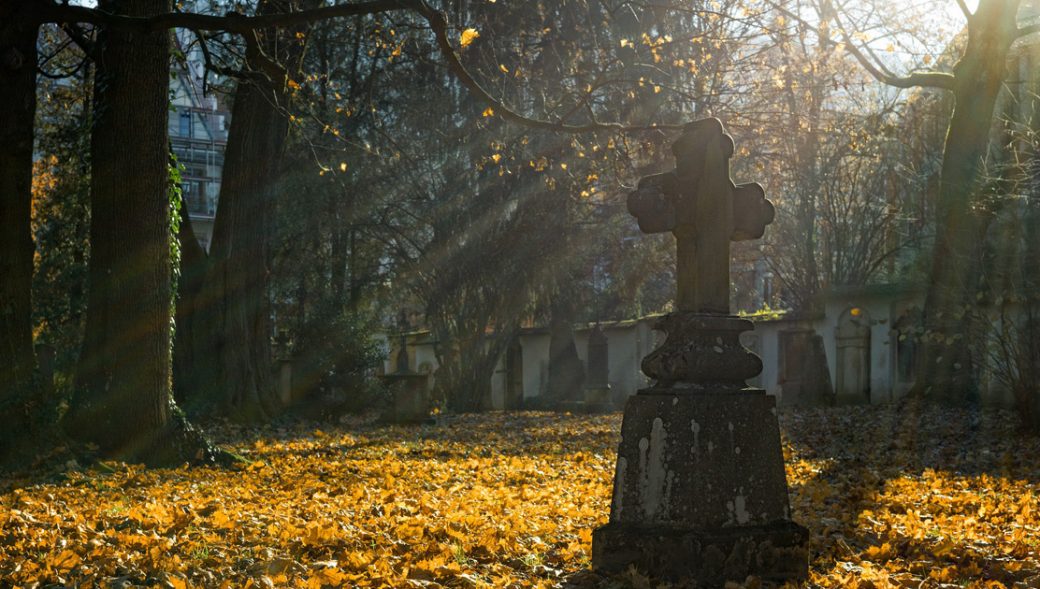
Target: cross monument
699, 488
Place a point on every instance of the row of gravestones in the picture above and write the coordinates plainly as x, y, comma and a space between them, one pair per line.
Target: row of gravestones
803, 375
410, 397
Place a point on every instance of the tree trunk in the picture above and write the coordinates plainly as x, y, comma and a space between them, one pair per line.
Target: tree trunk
230, 362
17, 112
193, 371
464, 378
947, 370
122, 400
238, 270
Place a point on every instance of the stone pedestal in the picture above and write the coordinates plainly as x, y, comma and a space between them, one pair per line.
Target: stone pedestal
409, 399
774, 552
700, 490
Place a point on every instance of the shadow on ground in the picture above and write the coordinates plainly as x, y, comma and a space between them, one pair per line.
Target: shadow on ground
881, 484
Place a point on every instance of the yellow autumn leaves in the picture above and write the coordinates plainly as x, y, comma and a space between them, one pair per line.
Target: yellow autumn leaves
468, 36
510, 500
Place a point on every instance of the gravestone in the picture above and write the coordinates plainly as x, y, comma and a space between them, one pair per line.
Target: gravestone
597, 383
699, 488
907, 330
514, 397
283, 353
852, 341
409, 398
804, 379
45, 354
566, 377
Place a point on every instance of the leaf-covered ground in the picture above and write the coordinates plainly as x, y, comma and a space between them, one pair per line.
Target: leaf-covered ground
894, 497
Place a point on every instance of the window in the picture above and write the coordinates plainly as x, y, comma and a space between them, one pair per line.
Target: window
185, 125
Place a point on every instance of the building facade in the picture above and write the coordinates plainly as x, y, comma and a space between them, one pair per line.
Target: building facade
198, 127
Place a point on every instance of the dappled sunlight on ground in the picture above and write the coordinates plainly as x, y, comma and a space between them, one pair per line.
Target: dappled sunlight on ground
893, 497
914, 496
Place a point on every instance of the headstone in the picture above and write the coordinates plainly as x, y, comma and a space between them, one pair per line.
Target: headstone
700, 489
907, 330
804, 379
566, 373
852, 341
283, 353
409, 395
514, 398
401, 365
597, 383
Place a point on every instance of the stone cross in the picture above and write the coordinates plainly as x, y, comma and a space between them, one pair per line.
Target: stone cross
700, 490
402, 352
699, 203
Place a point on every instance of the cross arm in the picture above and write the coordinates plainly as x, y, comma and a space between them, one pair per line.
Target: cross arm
653, 203
751, 212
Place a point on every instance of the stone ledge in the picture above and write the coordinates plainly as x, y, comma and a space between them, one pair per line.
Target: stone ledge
777, 551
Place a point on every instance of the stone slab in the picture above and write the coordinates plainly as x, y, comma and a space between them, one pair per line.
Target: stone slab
410, 401
805, 379
598, 399
774, 552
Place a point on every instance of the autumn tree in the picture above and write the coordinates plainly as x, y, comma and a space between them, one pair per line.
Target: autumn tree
975, 81
60, 208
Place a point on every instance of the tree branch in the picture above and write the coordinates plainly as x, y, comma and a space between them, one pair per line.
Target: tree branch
247, 25
964, 8
80, 37
439, 26
874, 68
211, 66
913, 80
232, 22
882, 74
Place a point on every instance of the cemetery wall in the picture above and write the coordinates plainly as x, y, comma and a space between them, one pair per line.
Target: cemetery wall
868, 359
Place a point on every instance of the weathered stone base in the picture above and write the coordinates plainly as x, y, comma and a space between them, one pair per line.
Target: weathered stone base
775, 552
700, 490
